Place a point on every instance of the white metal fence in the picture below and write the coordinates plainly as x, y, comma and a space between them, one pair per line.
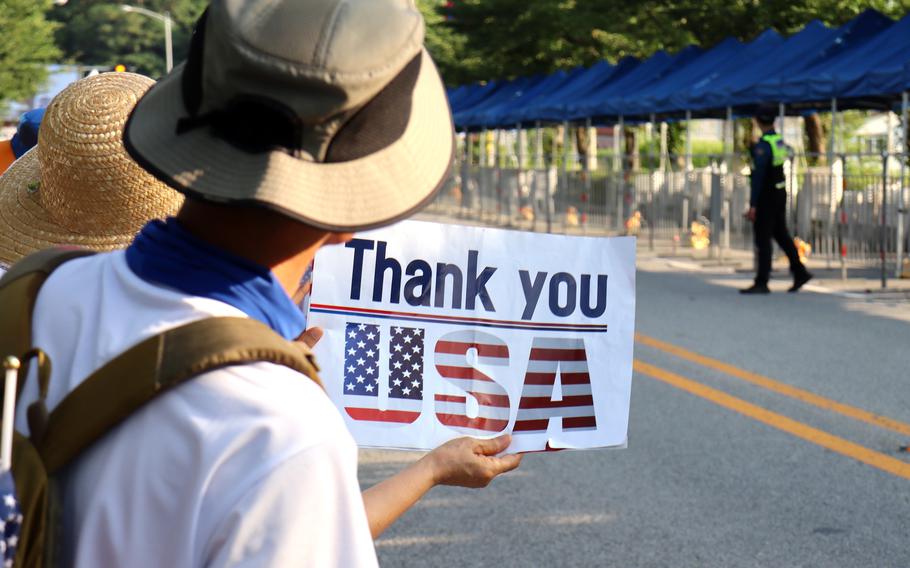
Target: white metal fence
853, 211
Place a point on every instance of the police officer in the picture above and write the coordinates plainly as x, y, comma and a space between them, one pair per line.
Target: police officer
768, 206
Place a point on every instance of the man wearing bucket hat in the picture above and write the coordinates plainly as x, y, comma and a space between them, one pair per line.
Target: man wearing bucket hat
79, 187
292, 125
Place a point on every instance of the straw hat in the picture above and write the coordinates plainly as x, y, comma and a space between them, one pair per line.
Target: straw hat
327, 111
79, 186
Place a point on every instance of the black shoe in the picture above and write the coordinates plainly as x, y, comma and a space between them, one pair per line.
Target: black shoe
799, 280
756, 289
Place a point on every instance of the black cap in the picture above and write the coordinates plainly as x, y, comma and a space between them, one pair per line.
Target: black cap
766, 113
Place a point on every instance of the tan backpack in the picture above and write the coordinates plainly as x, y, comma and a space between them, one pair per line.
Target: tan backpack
111, 394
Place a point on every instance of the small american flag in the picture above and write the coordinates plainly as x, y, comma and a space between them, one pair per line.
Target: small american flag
10, 519
566, 358
458, 370
363, 376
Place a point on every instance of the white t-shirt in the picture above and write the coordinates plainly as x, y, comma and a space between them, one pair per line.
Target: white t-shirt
250, 465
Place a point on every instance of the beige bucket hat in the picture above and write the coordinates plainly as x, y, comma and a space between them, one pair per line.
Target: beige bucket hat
79, 187
328, 111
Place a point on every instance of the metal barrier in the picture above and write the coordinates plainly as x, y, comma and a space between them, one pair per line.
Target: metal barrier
850, 211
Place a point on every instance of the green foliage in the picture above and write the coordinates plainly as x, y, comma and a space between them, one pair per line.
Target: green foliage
509, 38
457, 63
98, 32
26, 45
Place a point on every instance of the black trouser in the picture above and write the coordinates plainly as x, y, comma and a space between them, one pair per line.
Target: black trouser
771, 221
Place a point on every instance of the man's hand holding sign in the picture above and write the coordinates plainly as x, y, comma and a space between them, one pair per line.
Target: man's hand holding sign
433, 332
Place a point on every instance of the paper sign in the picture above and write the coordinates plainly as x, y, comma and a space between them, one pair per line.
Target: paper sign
437, 331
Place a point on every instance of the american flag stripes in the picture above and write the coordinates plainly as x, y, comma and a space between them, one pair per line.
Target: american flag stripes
364, 378
453, 365
566, 358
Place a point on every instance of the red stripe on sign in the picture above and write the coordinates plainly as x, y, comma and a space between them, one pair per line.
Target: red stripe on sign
540, 378
450, 372
483, 349
486, 424
531, 425
579, 422
574, 378
483, 399
567, 401
567, 424
564, 378
374, 415
497, 400
538, 354
450, 398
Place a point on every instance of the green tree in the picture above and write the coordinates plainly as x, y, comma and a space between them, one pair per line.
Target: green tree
457, 63
99, 32
26, 45
520, 37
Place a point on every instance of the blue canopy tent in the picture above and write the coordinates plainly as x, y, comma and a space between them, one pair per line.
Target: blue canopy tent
816, 84
602, 103
703, 81
647, 100
877, 70
552, 108
468, 117
511, 115
497, 114
732, 88
803, 56
475, 94
456, 94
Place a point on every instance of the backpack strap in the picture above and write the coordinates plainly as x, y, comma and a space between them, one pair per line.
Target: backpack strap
154, 366
18, 291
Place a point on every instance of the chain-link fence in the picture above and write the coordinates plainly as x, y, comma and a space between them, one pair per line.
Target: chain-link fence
853, 210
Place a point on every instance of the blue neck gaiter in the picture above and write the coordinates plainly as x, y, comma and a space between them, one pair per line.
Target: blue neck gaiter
167, 254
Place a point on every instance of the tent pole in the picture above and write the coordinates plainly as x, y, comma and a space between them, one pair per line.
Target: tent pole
521, 178
781, 113
686, 185
688, 140
522, 146
651, 196
729, 151
621, 188
566, 142
497, 168
664, 132
789, 169
538, 159
484, 165
465, 168
589, 158
552, 184
901, 204
832, 182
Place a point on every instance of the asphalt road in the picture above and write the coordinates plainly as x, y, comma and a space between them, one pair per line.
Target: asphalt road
764, 431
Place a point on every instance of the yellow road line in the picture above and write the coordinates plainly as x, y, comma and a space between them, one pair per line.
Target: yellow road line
779, 421
778, 387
